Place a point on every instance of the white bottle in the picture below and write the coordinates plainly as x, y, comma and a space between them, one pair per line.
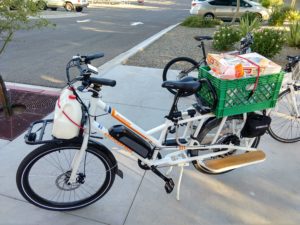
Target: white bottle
67, 116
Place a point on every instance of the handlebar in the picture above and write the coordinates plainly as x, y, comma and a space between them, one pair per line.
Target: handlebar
86, 70
102, 81
292, 62
87, 58
246, 43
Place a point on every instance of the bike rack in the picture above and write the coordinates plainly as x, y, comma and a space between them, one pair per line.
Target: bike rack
36, 133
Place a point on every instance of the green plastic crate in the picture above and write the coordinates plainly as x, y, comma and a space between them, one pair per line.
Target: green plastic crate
233, 95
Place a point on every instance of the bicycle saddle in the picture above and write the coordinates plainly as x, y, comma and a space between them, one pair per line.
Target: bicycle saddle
293, 58
201, 38
187, 84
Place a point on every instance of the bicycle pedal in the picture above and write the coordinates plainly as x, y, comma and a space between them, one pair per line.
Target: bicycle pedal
169, 186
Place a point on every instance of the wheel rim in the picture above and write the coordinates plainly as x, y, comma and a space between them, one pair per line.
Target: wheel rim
285, 124
181, 69
42, 5
69, 7
48, 176
209, 16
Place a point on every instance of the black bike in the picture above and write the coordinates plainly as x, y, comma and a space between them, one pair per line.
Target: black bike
181, 67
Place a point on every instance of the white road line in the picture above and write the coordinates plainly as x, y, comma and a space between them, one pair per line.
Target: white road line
136, 23
83, 21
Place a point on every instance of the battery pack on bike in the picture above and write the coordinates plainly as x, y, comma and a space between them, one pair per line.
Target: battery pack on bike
131, 140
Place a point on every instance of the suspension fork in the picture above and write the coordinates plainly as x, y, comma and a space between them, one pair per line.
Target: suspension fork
77, 159
79, 154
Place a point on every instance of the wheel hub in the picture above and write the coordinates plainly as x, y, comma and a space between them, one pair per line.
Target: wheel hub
62, 181
227, 140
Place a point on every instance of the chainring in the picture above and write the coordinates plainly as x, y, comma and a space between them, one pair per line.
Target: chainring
144, 166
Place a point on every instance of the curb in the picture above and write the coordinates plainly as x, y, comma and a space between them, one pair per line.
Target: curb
33, 88
125, 55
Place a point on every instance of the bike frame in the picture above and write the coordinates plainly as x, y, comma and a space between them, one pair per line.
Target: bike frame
177, 157
288, 83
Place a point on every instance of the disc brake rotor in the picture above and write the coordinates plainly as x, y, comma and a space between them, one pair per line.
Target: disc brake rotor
63, 179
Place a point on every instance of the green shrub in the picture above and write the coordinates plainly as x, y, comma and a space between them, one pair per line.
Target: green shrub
277, 17
250, 16
225, 38
282, 13
293, 36
293, 15
268, 42
198, 21
249, 24
270, 3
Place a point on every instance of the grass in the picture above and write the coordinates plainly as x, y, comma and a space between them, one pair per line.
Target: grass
200, 22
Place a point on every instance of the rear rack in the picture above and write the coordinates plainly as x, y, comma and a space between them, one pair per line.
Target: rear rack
36, 133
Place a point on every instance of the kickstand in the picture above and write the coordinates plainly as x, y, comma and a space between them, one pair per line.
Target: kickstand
179, 181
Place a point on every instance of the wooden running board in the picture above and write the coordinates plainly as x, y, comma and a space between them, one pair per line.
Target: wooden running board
234, 161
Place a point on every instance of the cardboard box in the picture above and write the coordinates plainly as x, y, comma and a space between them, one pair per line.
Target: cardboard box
236, 66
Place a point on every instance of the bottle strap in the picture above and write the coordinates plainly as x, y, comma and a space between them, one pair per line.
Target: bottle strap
66, 115
257, 77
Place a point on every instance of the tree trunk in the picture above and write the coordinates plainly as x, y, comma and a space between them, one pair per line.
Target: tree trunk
293, 3
4, 98
236, 12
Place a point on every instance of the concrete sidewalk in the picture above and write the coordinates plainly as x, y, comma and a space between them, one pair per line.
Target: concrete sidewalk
266, 193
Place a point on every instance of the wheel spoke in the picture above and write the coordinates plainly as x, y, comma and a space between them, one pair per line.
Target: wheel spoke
285, 125
46, 179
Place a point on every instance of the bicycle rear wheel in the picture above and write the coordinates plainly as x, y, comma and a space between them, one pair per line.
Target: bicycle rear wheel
179, 68
285, 126
42, 177
227, 136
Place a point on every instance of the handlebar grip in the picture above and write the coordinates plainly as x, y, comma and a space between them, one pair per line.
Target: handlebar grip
212, 90
94, 56
102, 81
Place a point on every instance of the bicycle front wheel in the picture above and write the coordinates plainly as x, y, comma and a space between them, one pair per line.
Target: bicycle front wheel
179, 68
42, 177
285, 126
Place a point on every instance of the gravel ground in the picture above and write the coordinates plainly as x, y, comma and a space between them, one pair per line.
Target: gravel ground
180, 42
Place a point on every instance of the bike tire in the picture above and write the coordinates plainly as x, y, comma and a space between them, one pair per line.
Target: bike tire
208, 127
178, 63
286, 126
34, 188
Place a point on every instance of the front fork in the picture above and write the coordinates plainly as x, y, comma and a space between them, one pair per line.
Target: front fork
77, 159
79, 155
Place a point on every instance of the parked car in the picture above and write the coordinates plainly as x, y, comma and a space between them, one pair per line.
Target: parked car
69, 5
225, 9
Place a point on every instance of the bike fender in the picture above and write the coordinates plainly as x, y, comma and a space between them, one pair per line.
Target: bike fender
109, 154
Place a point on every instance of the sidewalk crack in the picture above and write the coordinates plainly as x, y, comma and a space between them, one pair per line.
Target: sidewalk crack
134, 197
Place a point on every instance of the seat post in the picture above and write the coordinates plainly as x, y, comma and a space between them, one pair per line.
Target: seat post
174, 105
203, 51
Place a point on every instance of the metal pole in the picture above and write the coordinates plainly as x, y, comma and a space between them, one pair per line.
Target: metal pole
4, 98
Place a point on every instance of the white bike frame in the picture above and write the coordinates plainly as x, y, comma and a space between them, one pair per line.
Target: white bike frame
177, 157
288, 83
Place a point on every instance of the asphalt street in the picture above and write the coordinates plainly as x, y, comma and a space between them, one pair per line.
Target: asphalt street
39, 57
